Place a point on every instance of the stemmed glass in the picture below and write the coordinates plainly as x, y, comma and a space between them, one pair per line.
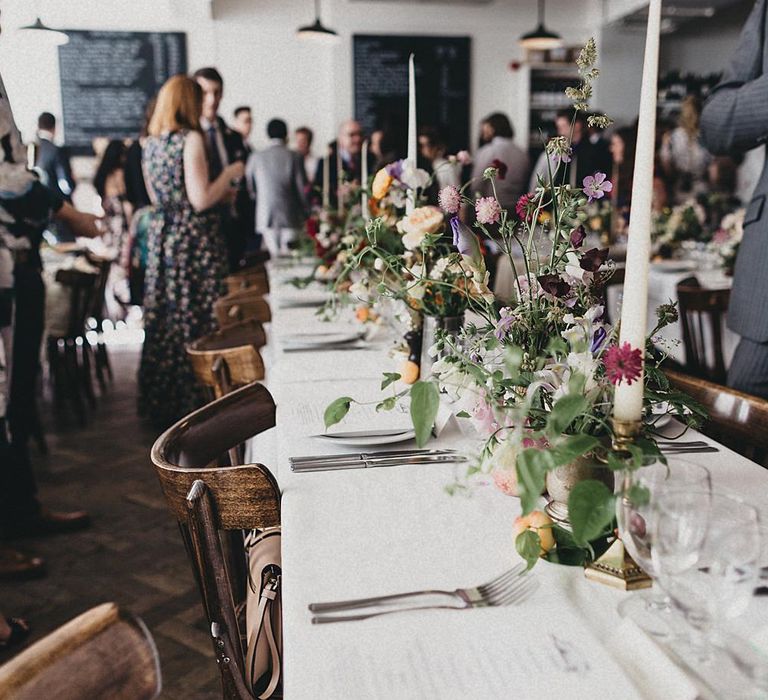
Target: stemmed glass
707, 559
650, 610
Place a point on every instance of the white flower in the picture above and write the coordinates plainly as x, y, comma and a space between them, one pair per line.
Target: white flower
360, 290
378, 264
414, 178
574, 273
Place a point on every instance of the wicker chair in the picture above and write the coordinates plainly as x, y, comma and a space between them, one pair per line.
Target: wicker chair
213, 505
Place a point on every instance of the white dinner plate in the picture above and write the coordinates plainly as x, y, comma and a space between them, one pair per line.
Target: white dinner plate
368, 437
319, 340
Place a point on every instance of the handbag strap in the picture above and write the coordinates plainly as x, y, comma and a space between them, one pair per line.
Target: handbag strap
268, 595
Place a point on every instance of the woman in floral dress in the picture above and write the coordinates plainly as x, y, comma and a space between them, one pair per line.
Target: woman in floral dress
186, 257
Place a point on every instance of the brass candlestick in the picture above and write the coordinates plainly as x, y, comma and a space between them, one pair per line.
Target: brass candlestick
615, 567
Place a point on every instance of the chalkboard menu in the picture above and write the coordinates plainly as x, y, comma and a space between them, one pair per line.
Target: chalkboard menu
442, 83
107, 78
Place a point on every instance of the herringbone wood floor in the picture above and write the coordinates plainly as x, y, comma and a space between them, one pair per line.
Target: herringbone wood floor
132, 554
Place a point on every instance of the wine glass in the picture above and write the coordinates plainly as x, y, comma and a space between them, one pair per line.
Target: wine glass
651, 609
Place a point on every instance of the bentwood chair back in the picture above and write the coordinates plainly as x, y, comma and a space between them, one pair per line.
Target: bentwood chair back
214, 499
738, 420
103, 653
253, 278
228, 358
701, 316
240, 306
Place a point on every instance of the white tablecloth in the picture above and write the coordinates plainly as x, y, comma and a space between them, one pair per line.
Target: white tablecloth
365, 532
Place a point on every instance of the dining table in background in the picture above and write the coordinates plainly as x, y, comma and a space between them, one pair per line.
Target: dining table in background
373, 531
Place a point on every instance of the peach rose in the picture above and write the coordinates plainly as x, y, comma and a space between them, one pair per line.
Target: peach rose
381, 184
419, 224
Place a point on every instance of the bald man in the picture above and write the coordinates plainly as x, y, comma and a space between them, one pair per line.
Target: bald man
348, 144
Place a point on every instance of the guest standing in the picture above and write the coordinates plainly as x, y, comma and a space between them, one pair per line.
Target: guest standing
348, 146
224, 146
187, 259
278, 183
243, 125
497, 132
109, 182
684, 159
734, 120
303, 137
433, 148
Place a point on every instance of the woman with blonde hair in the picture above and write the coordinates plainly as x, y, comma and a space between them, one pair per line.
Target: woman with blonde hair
186, 253
684, 159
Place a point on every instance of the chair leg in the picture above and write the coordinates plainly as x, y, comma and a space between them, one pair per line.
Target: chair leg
84, 372
99, 368
72, 381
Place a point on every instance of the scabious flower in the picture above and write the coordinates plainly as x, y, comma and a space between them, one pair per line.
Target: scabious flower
464, 157
595, 186
488, 210
623, 363
501, 168
506, 319
523, 208
449, 199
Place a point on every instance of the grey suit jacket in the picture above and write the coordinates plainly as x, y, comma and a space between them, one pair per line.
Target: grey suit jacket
277, 182
735, 118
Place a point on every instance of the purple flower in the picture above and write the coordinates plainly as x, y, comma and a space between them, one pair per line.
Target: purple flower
501, 167
488, 210
595, 186
598, 339
465, 241
577, 236
395, 169
449, 199
506, 319
564, 157
554, 285
593, 259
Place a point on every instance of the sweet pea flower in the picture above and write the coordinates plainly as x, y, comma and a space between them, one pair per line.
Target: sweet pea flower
395, 169
488, 210
464, 157
414, 178
595, 186
594, 259
449, 199
465, 241
577, 236
506, 319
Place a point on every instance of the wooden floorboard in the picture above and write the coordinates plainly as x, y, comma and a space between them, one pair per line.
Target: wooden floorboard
132, 554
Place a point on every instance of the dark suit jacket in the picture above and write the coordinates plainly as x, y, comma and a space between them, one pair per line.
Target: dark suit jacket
735, 119
55, 170
352, 171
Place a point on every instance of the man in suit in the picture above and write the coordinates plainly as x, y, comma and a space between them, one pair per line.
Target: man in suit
243, 125
52, 164
348, 146
734, 119
277, 182
224, 146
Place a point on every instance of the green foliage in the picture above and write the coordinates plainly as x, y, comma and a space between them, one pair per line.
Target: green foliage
528, 546
563, 413
336, 410
425, 400
389, 378
591, 508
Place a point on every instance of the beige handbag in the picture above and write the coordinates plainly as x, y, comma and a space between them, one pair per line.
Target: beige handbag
263, 660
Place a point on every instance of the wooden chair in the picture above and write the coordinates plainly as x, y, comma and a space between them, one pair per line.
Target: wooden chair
241, 306
701, 318
228, 358
736, 419
101, 365
103, 653
253, 278
214, 504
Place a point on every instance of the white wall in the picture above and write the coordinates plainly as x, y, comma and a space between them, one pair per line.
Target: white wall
253, 43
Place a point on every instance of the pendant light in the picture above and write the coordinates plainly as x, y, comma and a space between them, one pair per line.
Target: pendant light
317, 31
540, 38
42, 32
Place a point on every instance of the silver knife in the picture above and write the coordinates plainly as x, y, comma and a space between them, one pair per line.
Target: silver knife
368, 455
369, 464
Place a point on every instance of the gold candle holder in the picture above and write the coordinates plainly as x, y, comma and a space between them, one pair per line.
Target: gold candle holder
615, 567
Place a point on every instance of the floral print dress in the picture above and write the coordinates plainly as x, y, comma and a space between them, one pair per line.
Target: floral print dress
185, 275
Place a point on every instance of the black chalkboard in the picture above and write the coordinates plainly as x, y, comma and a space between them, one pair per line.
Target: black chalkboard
442, 83
107, 78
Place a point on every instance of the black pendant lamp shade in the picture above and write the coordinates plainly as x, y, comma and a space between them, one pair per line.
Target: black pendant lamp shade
541, 38
317, 30
54, 36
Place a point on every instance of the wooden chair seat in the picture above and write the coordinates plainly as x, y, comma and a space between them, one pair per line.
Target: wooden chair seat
701, 316
103, 653
229, 358
214, 504
253, 278
241, 306
736, 419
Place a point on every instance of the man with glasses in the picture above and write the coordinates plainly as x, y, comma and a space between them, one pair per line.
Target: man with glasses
348, 146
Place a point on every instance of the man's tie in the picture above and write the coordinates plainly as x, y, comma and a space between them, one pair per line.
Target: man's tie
214, 162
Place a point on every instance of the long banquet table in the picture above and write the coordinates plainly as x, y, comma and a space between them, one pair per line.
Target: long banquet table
364, 532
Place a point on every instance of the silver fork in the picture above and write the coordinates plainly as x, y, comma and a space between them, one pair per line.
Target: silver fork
509, 588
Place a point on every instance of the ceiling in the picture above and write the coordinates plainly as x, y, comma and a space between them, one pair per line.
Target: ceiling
679, 13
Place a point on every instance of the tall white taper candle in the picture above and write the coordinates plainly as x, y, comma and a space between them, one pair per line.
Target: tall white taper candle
629, 399
364, 179
339, 177
327, 180
413, 140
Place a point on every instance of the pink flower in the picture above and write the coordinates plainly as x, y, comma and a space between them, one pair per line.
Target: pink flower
463, 157
623, 363
488, 210
449, 199
595, 186
501, 167
483, 418
523, 208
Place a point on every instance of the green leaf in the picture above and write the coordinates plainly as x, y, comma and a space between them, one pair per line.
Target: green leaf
528, 546
463, 414
574, 446
638, 495
337, 410
387, 404
532, 464
565, 409
389, 378
425, 400
591, 508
